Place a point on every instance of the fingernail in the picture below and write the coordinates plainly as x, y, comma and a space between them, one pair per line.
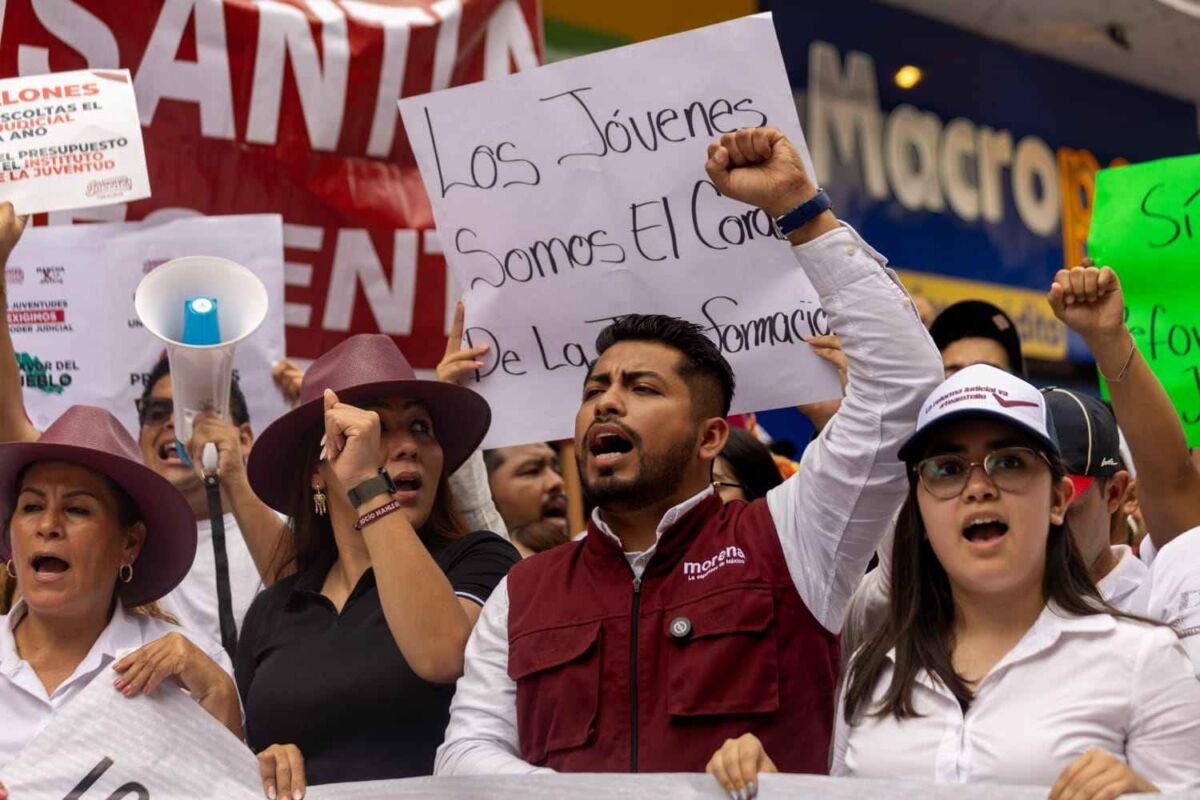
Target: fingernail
271, 792
733, 796
118, 683
753, 787
297, 795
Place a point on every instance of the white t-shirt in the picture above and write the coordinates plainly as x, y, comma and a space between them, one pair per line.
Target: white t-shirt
1070, 684
1175, 590
25, 708
194, 601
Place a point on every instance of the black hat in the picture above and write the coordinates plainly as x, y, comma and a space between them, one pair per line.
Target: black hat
1087, 436
976, 318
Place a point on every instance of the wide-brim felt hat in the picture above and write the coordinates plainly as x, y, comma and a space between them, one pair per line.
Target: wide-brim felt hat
92, 437
364, 367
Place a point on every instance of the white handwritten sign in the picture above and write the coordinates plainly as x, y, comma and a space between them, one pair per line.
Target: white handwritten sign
573, 194
70, 140
105, 746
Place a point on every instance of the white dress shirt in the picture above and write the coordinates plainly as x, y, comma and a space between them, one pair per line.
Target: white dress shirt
194, 601
26, 708
829, 516
1175, 591
1070, 684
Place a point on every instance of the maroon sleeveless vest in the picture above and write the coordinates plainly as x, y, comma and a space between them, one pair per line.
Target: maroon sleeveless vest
615, 674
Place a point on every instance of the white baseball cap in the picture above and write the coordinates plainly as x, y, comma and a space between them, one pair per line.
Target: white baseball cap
983, 392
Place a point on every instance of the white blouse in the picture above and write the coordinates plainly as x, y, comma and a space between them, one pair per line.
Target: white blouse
25, 708
1070, 684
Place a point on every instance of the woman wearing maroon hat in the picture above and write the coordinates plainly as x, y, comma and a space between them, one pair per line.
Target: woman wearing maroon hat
91, 537
347, 666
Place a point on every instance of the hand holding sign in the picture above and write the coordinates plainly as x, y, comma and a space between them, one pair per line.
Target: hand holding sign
174, 656
281, 767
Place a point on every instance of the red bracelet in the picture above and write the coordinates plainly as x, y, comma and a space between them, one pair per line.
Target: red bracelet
369, 517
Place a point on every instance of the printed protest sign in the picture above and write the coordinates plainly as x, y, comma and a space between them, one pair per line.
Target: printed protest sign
1146, 226
105, 745
70, 140
71, 316
575, 193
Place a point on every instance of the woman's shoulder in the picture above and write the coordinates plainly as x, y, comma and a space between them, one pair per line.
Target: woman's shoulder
479, 544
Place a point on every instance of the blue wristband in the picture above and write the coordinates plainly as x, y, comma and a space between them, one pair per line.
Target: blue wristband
802, 214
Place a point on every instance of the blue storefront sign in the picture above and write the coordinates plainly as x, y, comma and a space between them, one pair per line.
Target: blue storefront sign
981, 171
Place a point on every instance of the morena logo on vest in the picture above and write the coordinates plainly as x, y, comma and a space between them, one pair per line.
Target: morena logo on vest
697, 570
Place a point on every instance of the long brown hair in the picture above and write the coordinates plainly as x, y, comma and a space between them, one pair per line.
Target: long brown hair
920, 620
314, 542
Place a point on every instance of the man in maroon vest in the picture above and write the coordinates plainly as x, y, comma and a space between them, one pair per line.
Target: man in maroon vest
680, 621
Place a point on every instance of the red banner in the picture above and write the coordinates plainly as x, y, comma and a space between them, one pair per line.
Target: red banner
289, 107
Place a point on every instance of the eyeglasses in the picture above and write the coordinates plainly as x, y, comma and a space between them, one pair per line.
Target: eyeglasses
1012, 469
154, 411
727, 485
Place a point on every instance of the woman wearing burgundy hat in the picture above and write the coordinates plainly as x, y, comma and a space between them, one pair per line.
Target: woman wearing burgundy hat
347, 667
92, 536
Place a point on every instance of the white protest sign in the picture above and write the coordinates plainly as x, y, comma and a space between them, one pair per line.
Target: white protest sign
103, 745
70, 140
571, 194
71, 316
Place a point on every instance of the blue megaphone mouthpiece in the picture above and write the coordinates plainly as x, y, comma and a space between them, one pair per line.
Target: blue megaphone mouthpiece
200, 321
200, 327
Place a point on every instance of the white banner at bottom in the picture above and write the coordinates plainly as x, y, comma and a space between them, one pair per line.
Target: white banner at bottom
104, 746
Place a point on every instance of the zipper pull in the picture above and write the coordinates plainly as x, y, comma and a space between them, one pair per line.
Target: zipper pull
637, 585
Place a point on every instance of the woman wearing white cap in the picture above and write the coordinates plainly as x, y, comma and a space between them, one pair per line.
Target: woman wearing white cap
998, 662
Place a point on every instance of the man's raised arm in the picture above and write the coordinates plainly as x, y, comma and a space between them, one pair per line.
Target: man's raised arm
832, 514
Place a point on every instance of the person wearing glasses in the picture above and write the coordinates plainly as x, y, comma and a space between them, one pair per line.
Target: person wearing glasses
998, 662
252, 530
745, 469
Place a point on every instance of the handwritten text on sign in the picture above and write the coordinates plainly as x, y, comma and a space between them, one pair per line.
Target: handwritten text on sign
574, 194
1146, 226
70, 140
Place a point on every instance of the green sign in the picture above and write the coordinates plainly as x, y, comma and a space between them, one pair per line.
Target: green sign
1146, 226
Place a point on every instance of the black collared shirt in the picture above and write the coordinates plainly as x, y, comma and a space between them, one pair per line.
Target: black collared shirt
336, 685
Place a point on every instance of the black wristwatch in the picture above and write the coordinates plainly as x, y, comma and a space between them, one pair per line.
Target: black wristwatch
372, 487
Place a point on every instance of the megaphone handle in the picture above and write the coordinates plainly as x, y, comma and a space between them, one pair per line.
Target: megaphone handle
209, 459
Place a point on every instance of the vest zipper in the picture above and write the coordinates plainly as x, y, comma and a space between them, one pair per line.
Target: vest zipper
633, 673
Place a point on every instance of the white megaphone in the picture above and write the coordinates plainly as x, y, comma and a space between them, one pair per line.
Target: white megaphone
201, 306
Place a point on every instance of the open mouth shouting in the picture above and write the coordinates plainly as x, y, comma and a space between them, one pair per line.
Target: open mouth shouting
608, 444
48, 568
554, 508
984, 530
408, 485
168, 453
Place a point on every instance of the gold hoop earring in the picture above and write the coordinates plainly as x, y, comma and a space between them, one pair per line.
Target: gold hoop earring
319, 503
8, 567
125, 573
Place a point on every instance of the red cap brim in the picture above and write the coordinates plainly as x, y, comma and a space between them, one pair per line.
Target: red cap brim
1082, 483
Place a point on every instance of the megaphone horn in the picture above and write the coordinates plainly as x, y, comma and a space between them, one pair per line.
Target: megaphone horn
201, 306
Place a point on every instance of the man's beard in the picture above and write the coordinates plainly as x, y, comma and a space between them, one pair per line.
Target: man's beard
657, 477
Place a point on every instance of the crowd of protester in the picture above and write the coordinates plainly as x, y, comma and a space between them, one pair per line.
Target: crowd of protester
965, 579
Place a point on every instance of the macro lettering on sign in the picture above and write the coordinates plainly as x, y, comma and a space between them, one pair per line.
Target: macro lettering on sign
931, 165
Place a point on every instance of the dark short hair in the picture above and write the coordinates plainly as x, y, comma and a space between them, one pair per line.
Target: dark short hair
493, 459
238, 410
706, 372
752, 463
